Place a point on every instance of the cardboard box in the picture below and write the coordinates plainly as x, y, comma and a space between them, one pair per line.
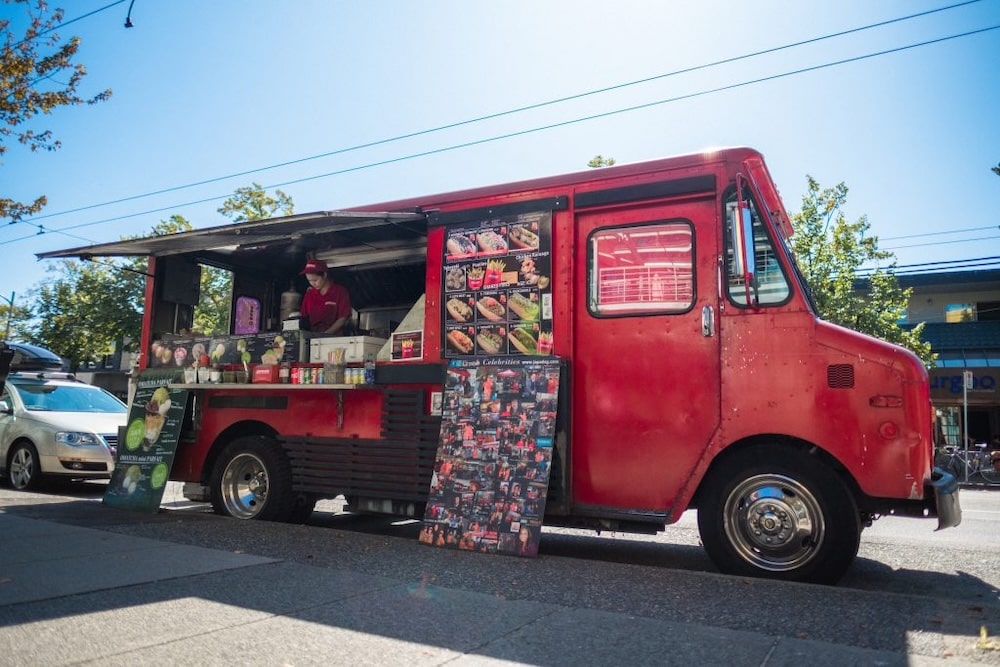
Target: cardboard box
265, 374
356, 348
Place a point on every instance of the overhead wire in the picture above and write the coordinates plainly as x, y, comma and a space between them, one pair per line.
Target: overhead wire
509, 112
530, 130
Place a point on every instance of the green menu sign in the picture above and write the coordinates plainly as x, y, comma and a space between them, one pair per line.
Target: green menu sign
146, 451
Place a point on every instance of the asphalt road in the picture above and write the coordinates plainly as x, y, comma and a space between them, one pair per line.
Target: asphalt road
913, 597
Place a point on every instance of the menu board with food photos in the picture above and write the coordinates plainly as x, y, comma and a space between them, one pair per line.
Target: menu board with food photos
497, 287
147, 445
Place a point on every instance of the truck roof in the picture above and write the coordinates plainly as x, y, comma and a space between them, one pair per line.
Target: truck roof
391, 232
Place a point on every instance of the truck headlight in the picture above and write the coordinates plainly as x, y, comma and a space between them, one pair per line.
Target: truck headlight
78, 439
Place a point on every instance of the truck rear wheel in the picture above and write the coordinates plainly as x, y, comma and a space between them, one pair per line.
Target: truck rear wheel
253, 480
778, 514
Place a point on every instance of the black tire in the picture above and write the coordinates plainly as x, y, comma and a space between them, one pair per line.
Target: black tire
778, 513
989, 474
304, 504
252, 479
24, 471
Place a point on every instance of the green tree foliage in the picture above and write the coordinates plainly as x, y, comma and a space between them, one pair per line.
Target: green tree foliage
13, 311
215, 303
37, 76
830, 250
253, 203
86, 309
600, 161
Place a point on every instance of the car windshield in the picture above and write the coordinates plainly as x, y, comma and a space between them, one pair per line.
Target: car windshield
69, 398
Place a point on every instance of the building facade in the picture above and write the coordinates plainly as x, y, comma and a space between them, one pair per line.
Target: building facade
961, 315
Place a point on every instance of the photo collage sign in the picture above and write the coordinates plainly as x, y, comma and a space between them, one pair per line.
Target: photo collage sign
497, 287
493, 462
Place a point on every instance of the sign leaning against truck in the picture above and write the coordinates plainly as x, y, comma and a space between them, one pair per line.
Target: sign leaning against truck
493, 464
147, 450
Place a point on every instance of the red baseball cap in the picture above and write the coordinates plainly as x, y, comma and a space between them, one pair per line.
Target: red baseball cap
314, 266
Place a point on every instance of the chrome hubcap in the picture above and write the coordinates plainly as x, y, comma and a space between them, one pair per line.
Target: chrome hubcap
244, 486
774, 522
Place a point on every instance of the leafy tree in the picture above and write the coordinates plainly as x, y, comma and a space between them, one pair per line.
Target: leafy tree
253, 203
33, 67
91, 307
600, 161
829, 250
212, 315
13, 311
84, 311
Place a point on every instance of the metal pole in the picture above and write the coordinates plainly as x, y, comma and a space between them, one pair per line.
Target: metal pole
965, 420
10, 311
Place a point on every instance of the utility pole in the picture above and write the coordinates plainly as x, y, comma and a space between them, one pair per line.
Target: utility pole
10, 311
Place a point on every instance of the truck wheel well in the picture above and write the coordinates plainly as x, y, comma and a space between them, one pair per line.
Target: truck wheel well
238, 430
779, 440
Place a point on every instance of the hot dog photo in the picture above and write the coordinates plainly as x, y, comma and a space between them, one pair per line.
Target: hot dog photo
489, 341
490, 242
491, 309
459, 245
524, 340
523, 238
460, 341
524, 306
458, 310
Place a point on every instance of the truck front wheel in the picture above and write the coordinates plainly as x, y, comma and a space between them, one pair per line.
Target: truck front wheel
253, 480
778, 514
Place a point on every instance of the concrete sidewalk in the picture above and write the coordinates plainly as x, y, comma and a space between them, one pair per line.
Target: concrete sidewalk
72, 595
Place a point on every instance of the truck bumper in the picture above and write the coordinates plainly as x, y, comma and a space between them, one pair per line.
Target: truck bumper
945, 493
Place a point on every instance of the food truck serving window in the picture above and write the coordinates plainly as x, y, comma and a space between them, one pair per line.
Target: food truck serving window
641, 269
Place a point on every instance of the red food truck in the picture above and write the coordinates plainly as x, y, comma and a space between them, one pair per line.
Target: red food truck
686, 366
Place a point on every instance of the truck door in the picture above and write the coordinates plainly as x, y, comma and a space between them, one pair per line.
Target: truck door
645, 381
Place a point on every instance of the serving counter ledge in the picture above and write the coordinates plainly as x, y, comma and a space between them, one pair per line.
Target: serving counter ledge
247, 386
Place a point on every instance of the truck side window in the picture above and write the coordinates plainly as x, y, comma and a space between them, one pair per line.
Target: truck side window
770, 285
640, 270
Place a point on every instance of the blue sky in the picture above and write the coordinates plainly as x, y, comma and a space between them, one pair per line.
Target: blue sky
203, 90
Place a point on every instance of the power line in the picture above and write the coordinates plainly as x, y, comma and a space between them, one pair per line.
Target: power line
508, 112
66, 23
934, 267
953, 231
525, 132
937, 243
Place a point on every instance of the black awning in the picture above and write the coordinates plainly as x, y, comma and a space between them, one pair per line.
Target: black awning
362, 234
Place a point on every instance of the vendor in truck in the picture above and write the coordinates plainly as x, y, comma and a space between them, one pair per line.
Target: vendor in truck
326, 305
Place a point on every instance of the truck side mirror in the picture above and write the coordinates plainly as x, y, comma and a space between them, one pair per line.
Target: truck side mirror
741, 229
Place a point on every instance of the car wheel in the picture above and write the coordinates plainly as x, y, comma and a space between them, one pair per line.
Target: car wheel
777, 513
252, 479
23, 469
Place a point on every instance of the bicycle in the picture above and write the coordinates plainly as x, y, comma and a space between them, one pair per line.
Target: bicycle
970, 465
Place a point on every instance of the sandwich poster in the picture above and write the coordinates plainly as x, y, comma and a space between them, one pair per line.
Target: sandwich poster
498, 287
147, 446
